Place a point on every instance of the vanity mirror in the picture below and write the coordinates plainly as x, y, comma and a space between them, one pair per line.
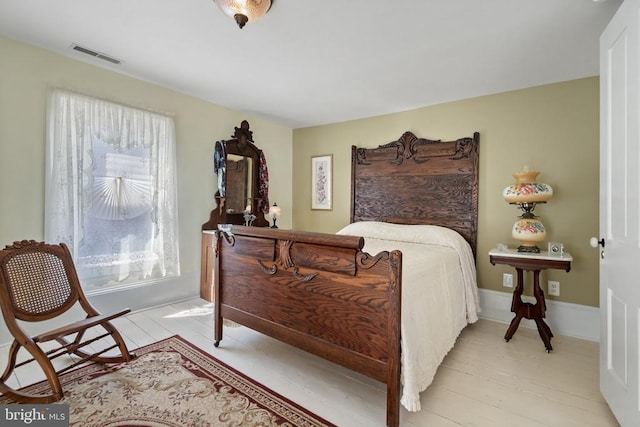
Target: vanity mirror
242, 196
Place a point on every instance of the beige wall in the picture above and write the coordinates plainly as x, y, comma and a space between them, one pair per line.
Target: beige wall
553, 129
25, 75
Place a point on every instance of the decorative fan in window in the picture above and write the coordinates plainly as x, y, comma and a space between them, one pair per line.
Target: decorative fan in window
125, 190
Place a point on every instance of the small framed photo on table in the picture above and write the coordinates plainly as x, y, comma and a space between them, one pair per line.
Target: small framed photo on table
556, 249
321, 185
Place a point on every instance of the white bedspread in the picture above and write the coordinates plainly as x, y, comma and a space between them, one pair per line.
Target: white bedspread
439, 294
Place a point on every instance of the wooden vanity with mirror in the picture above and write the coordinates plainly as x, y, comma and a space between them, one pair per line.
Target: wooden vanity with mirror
240, 199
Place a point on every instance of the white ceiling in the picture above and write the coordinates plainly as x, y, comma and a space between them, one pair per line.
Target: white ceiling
311, 62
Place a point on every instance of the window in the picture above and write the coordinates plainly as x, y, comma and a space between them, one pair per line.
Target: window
111, 190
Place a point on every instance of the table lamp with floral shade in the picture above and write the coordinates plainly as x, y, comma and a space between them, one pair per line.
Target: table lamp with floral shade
526, 193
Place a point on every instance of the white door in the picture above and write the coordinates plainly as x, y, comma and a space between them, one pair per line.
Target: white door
620, 213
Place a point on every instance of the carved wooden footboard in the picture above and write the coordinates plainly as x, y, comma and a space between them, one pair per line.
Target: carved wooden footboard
318, 292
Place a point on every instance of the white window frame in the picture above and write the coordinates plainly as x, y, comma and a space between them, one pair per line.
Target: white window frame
111, 183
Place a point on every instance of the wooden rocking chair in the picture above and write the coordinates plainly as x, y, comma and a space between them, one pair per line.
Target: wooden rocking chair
38, 282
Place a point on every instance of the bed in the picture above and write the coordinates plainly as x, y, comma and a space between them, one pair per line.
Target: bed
362, 297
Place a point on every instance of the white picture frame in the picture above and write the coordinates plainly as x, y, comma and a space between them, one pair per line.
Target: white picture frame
321, 182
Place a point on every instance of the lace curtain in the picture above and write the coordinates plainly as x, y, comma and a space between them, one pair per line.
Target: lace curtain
111, 190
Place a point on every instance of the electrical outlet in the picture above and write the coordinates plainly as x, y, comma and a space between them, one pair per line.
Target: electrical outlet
553, 288
507, 280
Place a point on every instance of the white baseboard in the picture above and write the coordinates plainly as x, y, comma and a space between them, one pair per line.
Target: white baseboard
572, 320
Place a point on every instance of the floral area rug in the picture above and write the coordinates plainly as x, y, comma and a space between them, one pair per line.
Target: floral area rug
173, 383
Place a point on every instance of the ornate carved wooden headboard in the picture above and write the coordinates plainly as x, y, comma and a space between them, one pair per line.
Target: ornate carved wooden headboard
418, 181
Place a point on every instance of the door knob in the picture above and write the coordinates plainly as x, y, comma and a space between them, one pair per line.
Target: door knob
594, 242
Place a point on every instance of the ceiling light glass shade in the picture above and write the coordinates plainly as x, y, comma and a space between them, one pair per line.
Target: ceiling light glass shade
244, 10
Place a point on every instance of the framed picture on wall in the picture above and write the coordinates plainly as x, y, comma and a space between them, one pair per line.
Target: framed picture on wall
321, 185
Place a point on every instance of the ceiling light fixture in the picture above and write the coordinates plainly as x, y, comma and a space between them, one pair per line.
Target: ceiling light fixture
244, 11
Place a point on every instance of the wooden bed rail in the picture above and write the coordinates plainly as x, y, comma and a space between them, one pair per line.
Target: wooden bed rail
353, 242
318, 292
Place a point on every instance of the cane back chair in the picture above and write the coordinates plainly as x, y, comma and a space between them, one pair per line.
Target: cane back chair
38, 282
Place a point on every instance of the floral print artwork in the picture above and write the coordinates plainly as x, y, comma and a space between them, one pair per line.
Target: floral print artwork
321, 183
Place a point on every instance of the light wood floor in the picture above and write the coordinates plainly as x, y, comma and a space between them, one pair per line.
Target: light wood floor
484, 381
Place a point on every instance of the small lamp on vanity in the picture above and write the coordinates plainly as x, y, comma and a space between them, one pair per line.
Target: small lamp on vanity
526, 193
274, 211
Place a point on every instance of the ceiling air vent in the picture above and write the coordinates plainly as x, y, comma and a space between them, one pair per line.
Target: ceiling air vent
96, 54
